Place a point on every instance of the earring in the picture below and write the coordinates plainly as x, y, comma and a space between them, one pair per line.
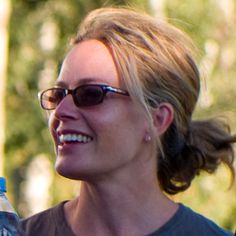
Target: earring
147, 138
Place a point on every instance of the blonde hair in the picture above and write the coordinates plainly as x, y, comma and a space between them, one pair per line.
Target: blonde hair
154, 60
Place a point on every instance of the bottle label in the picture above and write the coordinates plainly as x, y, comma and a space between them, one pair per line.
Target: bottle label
5, 232
8, 224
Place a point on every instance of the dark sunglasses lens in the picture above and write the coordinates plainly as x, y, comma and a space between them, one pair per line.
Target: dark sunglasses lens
88, 95
51, 98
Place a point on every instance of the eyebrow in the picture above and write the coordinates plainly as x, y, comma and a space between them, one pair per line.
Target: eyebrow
81, 81
60, 84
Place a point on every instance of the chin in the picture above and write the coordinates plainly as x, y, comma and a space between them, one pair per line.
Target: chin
66, 171
72, 173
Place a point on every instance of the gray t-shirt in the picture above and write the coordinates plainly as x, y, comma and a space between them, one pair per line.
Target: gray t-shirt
185, 222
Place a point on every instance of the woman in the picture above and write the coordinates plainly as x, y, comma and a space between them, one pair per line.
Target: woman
126, 130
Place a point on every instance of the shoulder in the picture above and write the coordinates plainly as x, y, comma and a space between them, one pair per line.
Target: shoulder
189, 222
202, 224
44, 223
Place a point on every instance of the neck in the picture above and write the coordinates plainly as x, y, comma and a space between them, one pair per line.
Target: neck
117, 206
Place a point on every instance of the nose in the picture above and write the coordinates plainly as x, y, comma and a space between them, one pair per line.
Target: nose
66, 109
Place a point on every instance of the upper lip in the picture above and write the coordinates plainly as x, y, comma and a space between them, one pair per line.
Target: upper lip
71, 131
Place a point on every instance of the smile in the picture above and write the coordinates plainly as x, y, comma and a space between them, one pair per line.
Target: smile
64, 138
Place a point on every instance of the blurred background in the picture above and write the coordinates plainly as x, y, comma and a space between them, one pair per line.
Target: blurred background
34, 36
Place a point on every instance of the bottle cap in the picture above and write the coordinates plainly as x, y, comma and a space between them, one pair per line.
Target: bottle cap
3, 184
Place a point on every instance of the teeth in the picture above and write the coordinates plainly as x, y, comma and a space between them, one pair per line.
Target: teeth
74, 138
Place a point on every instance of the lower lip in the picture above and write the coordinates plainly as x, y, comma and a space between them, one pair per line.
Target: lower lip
67, 145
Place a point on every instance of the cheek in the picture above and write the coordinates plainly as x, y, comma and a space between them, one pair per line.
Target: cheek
117, 127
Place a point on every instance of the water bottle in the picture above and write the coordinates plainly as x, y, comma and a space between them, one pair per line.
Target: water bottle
8, 217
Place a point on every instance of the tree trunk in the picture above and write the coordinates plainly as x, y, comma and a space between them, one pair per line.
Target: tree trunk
4, 33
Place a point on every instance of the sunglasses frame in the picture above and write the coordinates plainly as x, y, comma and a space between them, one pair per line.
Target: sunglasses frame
104, 88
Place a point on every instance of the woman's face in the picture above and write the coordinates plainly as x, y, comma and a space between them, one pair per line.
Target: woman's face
112, 132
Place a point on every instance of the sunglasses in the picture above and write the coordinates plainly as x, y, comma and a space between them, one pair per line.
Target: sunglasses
83, 96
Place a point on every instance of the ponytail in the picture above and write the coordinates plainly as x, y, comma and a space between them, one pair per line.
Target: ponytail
205, 146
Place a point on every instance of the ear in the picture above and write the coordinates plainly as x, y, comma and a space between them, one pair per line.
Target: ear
163, 116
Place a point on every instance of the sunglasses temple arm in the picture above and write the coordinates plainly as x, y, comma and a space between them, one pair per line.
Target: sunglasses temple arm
116, 90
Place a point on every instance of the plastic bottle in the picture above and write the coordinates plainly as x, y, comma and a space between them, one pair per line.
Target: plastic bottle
8, 217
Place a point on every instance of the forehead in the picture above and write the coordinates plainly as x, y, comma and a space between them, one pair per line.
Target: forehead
89, 60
